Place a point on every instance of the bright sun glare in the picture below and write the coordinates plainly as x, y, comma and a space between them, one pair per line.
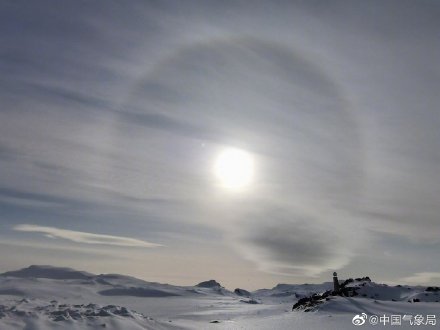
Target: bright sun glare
234, 168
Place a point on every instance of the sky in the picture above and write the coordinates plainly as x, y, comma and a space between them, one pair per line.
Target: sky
113, 116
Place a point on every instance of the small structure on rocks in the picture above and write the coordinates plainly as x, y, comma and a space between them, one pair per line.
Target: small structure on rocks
339, 289
335, 282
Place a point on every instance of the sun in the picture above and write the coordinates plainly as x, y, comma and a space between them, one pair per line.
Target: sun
234, 168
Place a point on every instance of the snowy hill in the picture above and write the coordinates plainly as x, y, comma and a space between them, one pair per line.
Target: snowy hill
40, 314
395, 293
56, 273
291, 292
45, 297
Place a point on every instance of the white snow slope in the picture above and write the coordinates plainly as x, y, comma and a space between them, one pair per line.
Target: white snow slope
46, 298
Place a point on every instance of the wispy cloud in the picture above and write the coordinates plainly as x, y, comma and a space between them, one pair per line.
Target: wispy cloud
422, 278
22, 202
83, 237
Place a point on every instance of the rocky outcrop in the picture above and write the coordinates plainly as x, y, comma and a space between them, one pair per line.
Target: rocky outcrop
308, 303
209, 284
242, 292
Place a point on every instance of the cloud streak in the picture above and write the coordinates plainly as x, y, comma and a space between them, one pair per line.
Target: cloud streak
85, 238
422, 278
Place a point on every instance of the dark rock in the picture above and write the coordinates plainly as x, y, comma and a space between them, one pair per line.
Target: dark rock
103, 312
209, 284
347, 281
300, 303
20, 313
242, 292
432, 288
60, 318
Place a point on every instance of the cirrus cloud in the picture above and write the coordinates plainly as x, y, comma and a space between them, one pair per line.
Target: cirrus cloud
422, 277
83, 237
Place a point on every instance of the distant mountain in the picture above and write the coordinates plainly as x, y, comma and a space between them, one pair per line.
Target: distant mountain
72, 281
292, 292
55, 273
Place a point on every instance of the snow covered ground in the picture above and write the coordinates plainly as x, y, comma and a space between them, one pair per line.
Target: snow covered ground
44, 297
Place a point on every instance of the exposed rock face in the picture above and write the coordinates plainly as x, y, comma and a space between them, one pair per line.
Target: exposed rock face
358, 279
67, 312
242, 292
209, 284
307, 303
432, 288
